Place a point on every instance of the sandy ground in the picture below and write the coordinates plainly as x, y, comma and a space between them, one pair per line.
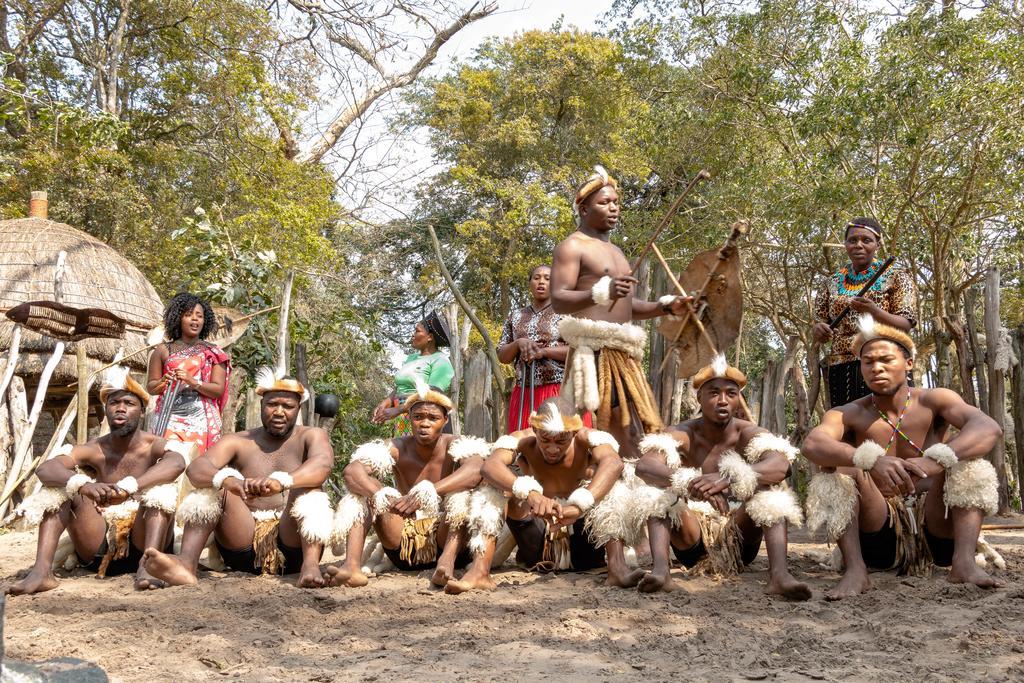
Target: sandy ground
566, 627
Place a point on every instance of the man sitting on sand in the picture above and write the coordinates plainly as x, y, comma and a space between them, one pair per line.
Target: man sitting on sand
697, 470
259, 493
868, 495
423, 515
114, 494
557, 474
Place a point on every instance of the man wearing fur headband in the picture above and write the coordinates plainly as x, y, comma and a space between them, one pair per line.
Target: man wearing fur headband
421, 520
115, 495
589, 276
881, 454
259, 493
558, 474
711, 504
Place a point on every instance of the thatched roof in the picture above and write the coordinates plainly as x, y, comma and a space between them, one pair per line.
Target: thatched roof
95, 276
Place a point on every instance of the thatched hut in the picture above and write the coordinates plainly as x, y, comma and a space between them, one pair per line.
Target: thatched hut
95, 276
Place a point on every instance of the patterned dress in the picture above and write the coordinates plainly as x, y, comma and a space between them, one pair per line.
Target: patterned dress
894, 292
195, 418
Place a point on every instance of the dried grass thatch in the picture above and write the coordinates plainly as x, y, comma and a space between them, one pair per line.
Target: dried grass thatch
95, 276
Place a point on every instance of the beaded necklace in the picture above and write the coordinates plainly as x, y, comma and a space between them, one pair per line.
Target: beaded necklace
899, 422
848, 280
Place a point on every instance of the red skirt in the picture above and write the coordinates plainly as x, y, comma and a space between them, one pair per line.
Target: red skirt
519, 405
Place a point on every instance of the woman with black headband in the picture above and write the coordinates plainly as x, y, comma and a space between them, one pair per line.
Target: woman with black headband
427, 364
892, 300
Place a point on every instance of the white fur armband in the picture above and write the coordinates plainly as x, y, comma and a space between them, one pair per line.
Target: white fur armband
506, 443
867, 454
312, 511
583, 499
382, 499
666, 300
942, 454
200, 507
597, 438
766, 442
286, 480
376, 457
466, 447
129, 485
972, 484
223, 474
742, 477
183, 449
681, 479
76, 482
524, 485
162, 497
601, 292
426, 494
768, 508
663, 444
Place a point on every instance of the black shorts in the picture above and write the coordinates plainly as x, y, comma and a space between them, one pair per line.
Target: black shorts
126, 565
692, 555
878, 548
244, 560
395, 555
529, 535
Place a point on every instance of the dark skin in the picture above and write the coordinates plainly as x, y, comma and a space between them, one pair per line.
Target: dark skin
278, 446
421, 456
524, 348
191, 324
902, 471
701, 443
559, 462
861, 245
108, 459
421, 341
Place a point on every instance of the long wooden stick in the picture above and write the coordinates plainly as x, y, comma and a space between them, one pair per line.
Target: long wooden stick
282, 328
12, 359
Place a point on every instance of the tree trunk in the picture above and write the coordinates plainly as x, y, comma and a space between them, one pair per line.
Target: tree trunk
479, 420
942, 360
971, 304
803, 417
767, 395
959, 335
230, 418
302, 374
6, 440
1017, 399
781, 374
755, 398
996, 382
252, 409
451, 313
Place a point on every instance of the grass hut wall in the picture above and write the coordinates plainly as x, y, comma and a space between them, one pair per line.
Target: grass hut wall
95, 276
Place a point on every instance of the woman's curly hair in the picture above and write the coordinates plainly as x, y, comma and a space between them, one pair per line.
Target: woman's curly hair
181, 304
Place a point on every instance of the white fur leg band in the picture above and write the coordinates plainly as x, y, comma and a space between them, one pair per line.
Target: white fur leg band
129, 485
523, 486
766, 442
831, 503
867, 454
456, 508
583, 499
383, 498
601, 292
162, 497
426, 494
663, 445
376, 457
681, 479
615, 517
224, 474
942, 454
200, 507
742, 477
486, 517
768, 508
284, 479
312, 511
47, 499
972, 484
76, 482
352, 510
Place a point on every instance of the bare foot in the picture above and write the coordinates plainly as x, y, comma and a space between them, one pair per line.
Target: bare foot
441, 576
167, 568
310, 577
628, 580
345, 576
788, 587
972, 573
655, 582
35, 582
468, 583
145, 581
854, 582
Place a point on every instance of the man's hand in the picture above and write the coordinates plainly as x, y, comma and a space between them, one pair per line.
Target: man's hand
103, 494
707, 485
864, 305
893, 475
720, 503
821, 332
235, 486
680, 305
529, 350
406, 506
622, 287
542, 507
260, 487
926, 465
570, 513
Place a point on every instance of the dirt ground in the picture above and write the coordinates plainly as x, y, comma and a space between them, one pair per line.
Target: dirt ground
566, 627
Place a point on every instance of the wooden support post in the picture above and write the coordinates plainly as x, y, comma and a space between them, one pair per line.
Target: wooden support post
996, 382
302, 374
282, 326
12, 360
82, 421
451, 313
1017, 407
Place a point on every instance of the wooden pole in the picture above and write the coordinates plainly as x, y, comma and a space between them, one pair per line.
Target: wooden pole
12, 360
282, 326
996, 382
971, 304
302, 374
82, 421
455, 393
1017, 406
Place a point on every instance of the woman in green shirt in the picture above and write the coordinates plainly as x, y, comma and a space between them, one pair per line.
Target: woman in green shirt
427, 364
